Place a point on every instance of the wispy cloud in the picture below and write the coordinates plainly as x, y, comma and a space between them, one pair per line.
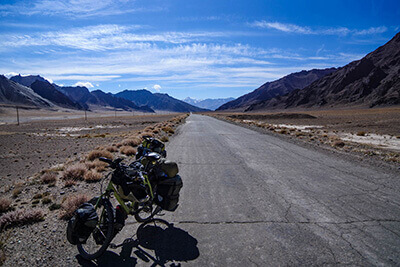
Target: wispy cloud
372, 30
282, 27
72, 8
293, 28
104, 37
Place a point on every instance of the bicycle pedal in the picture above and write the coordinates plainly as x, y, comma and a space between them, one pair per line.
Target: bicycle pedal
113, 246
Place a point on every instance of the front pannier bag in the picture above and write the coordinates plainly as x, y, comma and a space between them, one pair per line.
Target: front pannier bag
81, 225
168, 193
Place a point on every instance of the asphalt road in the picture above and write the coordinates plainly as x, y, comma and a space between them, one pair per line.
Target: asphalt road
253, 199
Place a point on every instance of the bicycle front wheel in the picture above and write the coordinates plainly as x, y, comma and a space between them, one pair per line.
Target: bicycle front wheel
101, 237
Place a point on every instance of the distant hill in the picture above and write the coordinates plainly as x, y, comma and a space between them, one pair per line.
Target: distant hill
49, 91
372, 81
118, 102
76, 97
208, 103
158, 101
285, 85
98, 98
14, 93
27, 80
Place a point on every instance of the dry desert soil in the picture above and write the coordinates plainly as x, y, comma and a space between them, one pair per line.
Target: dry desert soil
33, 149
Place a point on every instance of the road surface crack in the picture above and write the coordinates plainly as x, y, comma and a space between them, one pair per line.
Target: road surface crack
285, 222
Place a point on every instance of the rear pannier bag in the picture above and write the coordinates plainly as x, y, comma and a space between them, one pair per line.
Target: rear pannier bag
168, 193
81, 225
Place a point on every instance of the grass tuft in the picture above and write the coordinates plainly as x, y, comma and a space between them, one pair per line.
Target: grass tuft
21, 217
5, 204
164, 139
338, 144
131, 142
49, 178
75, 172
95, 154
92, 176
128, 150
71, 204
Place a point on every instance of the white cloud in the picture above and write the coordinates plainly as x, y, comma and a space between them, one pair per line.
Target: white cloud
48, 79
293, 28
372, 30
73, 8
104, 37
157, 87
84, 84
10, 74
282, 27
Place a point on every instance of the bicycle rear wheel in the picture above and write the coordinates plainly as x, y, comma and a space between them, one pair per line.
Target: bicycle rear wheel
101, 237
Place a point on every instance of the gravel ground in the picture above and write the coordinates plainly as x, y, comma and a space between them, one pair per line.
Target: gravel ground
35, 146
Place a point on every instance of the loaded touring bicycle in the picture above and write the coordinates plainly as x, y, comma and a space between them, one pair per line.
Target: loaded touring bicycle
142, 189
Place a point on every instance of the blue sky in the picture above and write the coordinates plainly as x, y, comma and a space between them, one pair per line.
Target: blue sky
201, 49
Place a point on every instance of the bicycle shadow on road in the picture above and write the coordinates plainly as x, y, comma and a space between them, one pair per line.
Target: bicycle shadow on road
167, 244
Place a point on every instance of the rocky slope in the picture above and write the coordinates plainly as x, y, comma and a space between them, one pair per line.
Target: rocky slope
158, 101
372, 81
269, 90
16, 94
49, 91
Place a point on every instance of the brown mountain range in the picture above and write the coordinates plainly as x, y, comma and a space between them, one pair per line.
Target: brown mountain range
283, 86
372, 81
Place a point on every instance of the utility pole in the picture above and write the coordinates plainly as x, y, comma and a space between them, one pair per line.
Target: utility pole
17, 115
85, 115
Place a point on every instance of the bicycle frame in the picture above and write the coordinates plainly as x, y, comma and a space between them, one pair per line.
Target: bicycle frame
111, 189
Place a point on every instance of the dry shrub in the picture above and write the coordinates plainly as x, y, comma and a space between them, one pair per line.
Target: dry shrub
4, 204
156, 131
168, 129
71, 204
69, 183
16, 192
131, 142
112, 149
75, 172
92, 176
148, 129
97, 164
338, 144
49, 178
20, 217
95, 154
164, 139
283, 131
128, 150
362, 133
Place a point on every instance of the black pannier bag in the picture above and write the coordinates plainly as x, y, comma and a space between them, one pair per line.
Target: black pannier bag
168, 193
81, 225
